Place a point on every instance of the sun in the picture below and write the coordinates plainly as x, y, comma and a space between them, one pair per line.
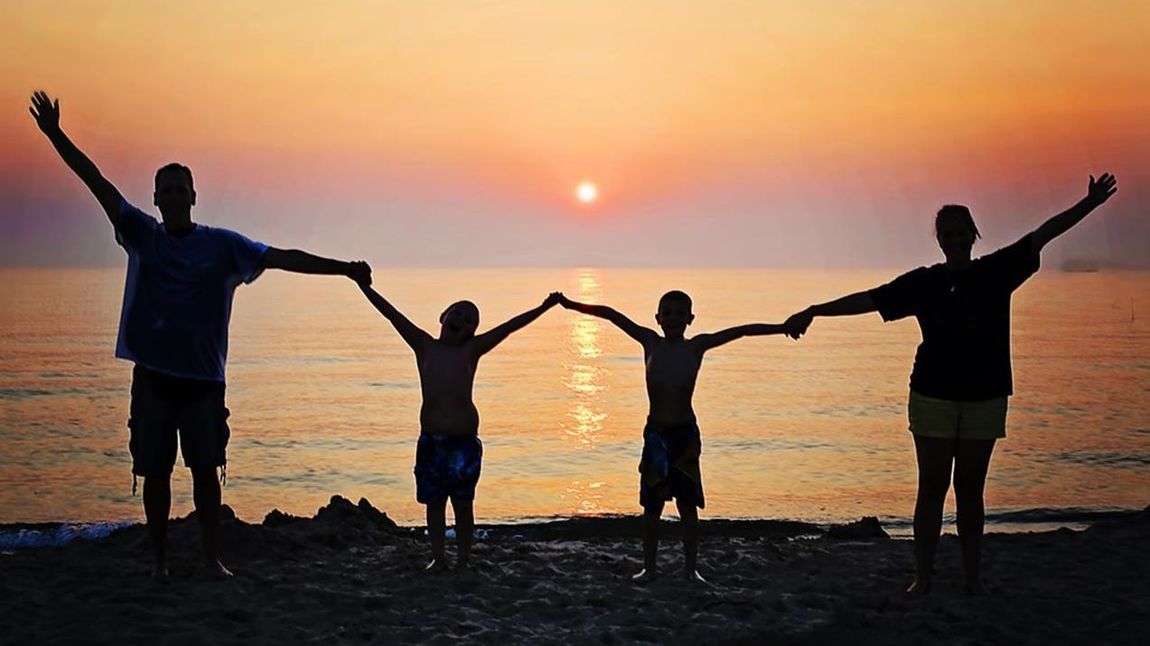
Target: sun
587, 192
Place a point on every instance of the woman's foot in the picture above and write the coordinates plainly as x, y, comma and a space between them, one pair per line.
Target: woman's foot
693, 576
644, 576
920, 587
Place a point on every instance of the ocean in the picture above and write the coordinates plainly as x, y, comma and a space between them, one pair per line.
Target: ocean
325, 397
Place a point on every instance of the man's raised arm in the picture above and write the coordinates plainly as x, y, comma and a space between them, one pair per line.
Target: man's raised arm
302, 262
47, 114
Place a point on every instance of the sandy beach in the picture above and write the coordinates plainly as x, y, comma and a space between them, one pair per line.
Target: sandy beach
350, 575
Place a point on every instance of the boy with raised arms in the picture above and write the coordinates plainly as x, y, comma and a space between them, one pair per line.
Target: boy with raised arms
669, 467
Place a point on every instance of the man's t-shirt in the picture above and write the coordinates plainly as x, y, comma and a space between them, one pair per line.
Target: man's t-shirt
964, 316
178, 294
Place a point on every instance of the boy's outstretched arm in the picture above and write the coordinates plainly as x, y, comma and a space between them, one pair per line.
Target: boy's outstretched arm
46, 112
302, 262
1097, 192
415, 338
716, 339
849, 305
631, 328
487, 341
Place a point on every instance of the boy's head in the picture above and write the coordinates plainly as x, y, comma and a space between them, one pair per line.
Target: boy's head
459, 322
955, 231
674, 313
175, 191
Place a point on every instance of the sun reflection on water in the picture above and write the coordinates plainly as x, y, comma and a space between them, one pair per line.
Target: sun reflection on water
584, 421
587, 496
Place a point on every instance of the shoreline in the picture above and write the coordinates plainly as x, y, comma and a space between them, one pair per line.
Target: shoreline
33, 535
349, 574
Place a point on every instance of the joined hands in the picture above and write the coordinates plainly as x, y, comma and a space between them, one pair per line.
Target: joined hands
360, 272
798, 323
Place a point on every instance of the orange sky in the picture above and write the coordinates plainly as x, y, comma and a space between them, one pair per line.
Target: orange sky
366, 123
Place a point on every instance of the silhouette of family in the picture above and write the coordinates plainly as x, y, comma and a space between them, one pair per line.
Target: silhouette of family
182, 276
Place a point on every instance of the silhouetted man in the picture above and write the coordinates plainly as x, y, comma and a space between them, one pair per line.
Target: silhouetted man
174, 328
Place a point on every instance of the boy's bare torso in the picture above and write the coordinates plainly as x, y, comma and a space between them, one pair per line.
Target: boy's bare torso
446, 378
672, 369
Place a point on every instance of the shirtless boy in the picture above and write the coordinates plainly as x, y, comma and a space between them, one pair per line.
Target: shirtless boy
449, 453
669, 467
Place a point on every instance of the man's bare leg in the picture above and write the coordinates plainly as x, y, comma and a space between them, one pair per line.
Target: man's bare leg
935, 456
689, 521
206, 494
971, 461
651, 515
157, 508
464, 530
436, 528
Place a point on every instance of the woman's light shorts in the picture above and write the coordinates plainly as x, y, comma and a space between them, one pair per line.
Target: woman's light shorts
964, 420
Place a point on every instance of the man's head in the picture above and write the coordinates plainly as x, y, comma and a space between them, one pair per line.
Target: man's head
955, 231
459, 322
175, 191
674, 313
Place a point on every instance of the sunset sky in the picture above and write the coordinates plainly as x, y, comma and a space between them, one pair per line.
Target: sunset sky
455, 133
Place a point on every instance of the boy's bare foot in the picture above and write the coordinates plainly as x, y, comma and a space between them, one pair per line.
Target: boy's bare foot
644, 576
693, 576
216, 570
436, 566
919, 588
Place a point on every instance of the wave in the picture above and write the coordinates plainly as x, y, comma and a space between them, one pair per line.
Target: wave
1103, 458
55, 534
1030, 519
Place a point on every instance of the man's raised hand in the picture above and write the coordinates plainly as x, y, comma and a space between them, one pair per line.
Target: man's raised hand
45, 111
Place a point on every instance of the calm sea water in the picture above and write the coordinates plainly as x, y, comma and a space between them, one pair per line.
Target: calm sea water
325, 398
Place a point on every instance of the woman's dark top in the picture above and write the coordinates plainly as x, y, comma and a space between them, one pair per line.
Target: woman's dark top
964, 316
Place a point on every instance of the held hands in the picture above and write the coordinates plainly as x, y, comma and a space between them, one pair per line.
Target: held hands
360, 272
564, 301
797, 324
1099, 191
553, 299
45, 111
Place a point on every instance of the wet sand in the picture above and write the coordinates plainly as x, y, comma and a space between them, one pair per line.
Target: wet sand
350, 575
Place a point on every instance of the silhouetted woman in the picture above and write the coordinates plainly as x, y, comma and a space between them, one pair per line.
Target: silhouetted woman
961, 377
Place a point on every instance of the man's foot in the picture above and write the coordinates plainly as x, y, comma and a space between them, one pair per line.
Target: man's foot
216, 570
644, 576
159, 572
920, 587
437, 565
693, 576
